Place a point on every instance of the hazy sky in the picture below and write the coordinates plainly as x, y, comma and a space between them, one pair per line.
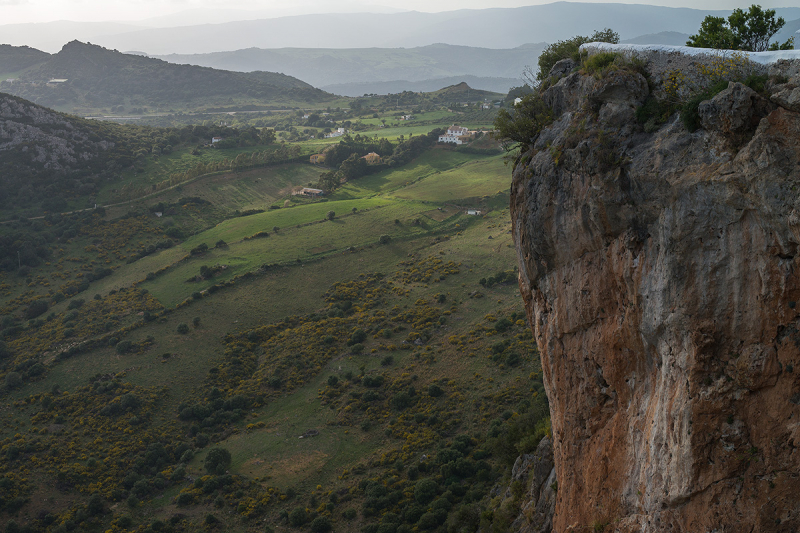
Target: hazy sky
16, 11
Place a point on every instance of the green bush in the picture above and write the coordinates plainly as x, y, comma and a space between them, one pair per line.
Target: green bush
298, 516
402, 400
184, 499
425, 490
182, 328
598, 62
217, 461
570, 49
124, 347
199, 249
13, 380
76, 303
36, 308
757, 82
520, 126
358, 335
321, 524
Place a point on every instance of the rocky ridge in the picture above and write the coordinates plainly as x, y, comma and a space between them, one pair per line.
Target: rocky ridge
660, 273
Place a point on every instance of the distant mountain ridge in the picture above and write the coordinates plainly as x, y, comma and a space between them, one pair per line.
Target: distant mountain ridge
324, 67
671, 38
509, 28
95, 77
495, 85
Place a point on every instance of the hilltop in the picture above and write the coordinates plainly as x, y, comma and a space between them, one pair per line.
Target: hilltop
87, 76
16, 58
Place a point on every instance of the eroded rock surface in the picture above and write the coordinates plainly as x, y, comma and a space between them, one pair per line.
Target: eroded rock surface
661, 276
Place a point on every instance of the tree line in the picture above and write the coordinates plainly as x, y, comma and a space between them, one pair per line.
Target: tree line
346, 157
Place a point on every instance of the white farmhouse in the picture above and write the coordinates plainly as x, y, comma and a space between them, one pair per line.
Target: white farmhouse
454, 135
338, 133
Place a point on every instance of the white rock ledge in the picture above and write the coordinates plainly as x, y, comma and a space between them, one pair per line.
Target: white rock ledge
762, 58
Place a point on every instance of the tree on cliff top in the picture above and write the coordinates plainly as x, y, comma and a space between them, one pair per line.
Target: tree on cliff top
748, 30
520, 126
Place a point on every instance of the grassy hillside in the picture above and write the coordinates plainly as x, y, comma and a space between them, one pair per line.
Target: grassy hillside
160, 369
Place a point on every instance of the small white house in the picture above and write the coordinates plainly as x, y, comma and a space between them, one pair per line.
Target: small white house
338, 133
473, 212
215, 139
454, 135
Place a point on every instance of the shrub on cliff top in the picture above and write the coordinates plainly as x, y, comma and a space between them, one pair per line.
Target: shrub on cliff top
598, 62
569, 49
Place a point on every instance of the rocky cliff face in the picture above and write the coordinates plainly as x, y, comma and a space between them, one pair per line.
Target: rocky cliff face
661, 275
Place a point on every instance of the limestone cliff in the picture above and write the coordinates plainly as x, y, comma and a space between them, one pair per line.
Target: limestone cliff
661, 275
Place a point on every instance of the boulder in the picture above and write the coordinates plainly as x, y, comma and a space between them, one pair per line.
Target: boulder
561, 69
735, 112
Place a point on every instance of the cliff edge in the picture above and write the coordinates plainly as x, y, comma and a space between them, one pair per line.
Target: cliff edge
661, 276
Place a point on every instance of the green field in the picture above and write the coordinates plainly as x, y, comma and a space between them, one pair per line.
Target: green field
432, 162
317, 239
474, 179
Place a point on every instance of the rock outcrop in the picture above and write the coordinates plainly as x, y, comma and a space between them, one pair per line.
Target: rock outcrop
538, 475
661, 276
